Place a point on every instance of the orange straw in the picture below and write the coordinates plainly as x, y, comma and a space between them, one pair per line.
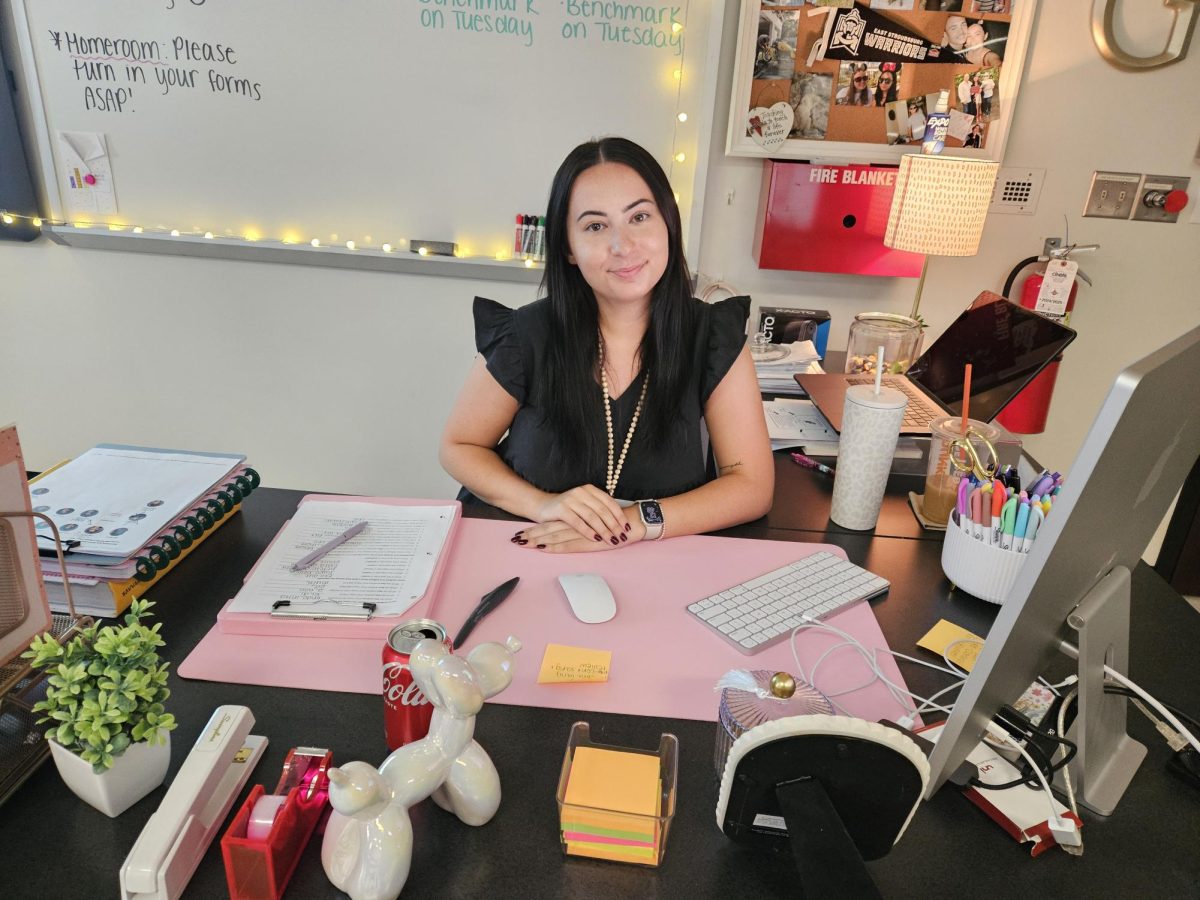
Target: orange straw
966, 397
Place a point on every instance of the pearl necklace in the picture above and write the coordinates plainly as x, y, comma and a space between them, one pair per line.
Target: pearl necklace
614, 473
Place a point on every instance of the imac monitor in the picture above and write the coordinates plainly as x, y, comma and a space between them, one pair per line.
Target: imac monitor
1140, 448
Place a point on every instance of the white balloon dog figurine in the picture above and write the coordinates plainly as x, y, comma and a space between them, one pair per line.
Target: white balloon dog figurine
368, 842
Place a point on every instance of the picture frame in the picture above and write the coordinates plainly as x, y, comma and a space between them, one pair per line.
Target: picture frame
830, 121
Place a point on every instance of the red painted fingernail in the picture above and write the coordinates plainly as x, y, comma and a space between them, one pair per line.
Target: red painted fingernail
541, 546
597, 537
522, 542
614, 541
628, 527
624, 538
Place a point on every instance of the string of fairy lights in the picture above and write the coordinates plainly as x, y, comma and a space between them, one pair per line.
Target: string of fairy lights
250, 237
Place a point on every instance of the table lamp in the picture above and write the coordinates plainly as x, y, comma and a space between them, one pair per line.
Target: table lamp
939, 207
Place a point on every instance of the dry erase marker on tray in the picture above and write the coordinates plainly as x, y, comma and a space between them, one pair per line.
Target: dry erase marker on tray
525, 232
520, 234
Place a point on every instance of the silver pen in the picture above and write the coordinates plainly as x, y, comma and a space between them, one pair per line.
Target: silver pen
311, 558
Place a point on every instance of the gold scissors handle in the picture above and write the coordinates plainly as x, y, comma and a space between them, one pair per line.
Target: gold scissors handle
965, 458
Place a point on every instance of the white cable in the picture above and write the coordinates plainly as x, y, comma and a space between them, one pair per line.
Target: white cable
1062, 725
997, 732
1052, 688
901, 695
1162, 710
853, 644
1071, 650
958, 670
856, 645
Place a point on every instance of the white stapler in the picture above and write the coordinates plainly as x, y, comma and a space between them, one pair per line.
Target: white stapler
174, 840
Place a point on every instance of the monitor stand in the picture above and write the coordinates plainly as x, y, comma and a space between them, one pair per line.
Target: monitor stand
1107, 758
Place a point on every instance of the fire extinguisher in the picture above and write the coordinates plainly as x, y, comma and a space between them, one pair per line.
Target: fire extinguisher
1027, 412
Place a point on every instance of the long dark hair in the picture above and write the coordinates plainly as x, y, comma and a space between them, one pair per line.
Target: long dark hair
572, 401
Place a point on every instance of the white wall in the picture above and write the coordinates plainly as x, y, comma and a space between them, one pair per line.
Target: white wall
337, 380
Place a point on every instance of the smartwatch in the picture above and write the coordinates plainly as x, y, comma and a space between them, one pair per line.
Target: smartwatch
652, 517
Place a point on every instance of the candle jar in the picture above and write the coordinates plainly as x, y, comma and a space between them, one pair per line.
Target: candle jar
899, 336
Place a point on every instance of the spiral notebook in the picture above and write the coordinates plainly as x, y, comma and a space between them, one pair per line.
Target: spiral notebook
108, 590
112, 499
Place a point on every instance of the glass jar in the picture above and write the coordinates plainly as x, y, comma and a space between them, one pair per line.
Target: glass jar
899, 336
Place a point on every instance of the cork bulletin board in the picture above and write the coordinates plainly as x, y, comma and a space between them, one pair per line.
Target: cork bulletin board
854, 80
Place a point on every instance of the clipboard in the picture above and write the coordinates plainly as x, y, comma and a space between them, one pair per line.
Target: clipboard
373, 627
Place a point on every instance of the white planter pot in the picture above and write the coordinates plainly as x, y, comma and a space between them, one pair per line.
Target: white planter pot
134, 774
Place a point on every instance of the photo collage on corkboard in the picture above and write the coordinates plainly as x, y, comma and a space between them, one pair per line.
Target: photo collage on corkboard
871, 71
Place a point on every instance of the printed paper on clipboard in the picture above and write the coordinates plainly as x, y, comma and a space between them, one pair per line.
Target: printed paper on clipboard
389, 564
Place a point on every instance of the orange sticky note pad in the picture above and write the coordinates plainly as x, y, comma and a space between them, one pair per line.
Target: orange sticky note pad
565, 665
614, 781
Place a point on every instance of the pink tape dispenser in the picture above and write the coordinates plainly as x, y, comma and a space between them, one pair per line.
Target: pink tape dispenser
263, 843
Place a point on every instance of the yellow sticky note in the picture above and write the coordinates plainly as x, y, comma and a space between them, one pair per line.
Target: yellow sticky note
943, 634
562, 665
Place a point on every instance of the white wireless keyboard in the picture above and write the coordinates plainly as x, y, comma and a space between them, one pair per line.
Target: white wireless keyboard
755, 614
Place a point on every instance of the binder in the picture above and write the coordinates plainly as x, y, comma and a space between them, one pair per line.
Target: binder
109, 499
97, 592
110, 597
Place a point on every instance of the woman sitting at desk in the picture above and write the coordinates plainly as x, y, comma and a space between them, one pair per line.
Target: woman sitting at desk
605, 386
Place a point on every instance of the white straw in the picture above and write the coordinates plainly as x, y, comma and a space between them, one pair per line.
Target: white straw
878, 368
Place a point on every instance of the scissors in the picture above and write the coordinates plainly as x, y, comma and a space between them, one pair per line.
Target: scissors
965, 458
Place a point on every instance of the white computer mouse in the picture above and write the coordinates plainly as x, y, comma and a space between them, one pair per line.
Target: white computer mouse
590, 597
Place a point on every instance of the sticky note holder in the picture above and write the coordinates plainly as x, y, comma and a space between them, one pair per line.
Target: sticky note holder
615, 835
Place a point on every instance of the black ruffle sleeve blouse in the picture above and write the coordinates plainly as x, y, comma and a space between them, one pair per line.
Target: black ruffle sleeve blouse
513, 341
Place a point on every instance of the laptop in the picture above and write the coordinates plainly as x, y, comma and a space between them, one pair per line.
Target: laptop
1006, 344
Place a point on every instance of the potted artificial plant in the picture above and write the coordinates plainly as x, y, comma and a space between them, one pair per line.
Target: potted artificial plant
109, 734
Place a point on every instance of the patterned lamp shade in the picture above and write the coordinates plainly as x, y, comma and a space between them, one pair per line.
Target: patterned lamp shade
940, 204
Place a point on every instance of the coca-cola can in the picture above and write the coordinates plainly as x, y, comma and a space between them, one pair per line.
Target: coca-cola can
406, 711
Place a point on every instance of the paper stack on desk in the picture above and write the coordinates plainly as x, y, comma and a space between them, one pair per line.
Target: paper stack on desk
775, 375
127, 515
793, 422
382, 571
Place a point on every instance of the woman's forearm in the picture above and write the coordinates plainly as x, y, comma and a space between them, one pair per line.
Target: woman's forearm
481, 471
733, 498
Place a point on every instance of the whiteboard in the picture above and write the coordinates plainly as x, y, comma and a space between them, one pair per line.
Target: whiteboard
376, 121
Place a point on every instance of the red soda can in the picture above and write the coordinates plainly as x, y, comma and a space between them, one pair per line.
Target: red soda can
406, 711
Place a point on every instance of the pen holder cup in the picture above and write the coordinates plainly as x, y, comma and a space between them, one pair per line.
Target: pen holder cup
977, 567
600, 832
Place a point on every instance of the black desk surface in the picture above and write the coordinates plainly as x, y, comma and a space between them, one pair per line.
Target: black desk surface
57, 846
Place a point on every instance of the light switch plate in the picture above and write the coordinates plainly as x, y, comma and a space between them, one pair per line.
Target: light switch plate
1112, 195
1163, 184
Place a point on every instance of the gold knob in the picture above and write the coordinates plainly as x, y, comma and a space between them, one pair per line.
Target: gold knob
783, 685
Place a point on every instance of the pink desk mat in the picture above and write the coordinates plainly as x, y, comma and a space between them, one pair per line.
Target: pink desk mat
664, 663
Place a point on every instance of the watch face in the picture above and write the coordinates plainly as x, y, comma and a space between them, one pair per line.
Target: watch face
651, 513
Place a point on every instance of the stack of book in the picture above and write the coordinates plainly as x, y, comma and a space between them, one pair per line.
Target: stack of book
128, 515
612, 804
777, 363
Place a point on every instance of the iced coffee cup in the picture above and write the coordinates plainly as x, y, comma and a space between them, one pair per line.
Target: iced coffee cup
942, 476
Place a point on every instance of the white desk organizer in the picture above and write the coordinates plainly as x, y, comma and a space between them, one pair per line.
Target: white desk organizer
977, 567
